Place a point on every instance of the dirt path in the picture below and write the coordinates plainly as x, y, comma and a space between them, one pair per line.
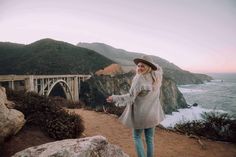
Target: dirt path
167, 144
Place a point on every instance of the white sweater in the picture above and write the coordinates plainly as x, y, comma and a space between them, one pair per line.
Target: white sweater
143, 108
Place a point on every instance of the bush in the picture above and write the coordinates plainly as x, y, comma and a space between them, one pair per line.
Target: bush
112, 109
106, 108
48, 114
215, 125
62, 125
67, 103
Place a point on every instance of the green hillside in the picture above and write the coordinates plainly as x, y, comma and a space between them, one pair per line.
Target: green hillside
49, 56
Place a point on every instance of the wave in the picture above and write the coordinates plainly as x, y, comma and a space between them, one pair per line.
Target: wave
184, 115
188, 90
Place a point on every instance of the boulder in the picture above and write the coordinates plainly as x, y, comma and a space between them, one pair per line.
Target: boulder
11, 120
85, 147
3, 99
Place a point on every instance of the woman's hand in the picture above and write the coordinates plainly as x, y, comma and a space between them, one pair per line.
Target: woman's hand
109, 99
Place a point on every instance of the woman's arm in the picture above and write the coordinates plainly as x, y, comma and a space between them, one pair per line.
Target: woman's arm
129, 98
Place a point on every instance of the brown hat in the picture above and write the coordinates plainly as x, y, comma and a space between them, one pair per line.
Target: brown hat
146, 60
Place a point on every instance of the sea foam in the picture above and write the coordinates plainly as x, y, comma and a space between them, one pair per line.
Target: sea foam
188, 90
184, 115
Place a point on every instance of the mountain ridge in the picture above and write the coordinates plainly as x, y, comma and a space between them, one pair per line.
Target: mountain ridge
48, 56
125, 59
118, 52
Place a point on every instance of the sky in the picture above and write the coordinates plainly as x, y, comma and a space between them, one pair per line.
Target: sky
196, 35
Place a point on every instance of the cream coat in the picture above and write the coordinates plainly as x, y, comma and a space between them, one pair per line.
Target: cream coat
143, 108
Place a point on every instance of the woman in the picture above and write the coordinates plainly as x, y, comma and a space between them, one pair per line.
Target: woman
143, 109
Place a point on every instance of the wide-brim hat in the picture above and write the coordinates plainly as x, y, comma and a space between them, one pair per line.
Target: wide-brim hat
146, 60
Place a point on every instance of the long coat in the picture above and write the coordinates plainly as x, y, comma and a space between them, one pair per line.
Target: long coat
143, 108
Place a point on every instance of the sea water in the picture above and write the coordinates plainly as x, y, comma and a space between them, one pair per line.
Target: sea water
218, 95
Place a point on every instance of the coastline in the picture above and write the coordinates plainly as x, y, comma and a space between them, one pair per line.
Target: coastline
213, 96
218, 94
185, 115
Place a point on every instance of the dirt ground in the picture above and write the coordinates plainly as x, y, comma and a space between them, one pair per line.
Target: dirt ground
167, 143
27, 137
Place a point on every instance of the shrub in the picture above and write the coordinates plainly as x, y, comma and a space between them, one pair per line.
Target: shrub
112, 109
106, 108
215, 125
67, 103
48, 114
62, 125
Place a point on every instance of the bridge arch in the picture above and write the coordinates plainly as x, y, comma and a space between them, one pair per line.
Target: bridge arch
65, 87
44, 84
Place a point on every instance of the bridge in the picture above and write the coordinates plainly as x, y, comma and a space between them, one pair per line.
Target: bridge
44, 84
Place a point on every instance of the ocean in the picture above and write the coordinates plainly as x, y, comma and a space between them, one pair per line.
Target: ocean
217, 95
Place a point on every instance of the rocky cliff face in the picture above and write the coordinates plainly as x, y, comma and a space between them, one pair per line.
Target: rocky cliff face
204, 77
182, 77
95, 90
112, 69
171, 98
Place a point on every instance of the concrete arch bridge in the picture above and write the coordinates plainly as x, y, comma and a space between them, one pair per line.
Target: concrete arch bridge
44, 84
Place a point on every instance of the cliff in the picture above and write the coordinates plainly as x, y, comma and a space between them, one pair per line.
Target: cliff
95, 91
171, 98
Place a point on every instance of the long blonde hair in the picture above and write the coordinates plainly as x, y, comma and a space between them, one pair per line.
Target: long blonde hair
148, 69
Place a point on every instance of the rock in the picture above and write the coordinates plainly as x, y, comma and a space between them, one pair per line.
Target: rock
112, 69
195, 104
189, 106
11, 120
3, 98
85, 147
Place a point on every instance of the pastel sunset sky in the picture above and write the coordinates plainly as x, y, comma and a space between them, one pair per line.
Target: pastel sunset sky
196, 35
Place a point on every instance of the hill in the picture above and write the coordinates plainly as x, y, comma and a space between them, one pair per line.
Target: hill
49, 56
125, 59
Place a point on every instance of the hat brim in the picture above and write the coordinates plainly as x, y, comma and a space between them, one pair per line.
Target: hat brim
137, 60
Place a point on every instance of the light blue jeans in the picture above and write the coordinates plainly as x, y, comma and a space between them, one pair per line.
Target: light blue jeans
149, 138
